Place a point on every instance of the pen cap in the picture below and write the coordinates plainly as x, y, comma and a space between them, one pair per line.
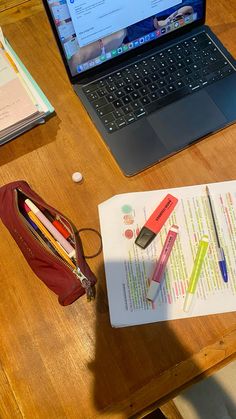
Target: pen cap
145, 237
61, 228
188, 301
152, 290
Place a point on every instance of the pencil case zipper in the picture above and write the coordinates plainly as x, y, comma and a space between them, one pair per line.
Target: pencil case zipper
85, 282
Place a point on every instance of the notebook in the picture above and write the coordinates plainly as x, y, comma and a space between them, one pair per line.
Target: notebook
137, 66
23, 105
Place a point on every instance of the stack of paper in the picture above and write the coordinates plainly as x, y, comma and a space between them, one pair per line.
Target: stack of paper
22, 103
129, 268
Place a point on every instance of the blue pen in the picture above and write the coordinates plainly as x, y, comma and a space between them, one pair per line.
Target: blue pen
220, 251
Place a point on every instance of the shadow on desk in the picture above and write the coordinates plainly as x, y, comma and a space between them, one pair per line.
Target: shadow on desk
30, 141
135, 361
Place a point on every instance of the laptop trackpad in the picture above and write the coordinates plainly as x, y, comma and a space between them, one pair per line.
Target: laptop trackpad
180, 123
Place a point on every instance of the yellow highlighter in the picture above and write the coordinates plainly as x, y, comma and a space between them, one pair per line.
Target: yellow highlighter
49, 237
197, 266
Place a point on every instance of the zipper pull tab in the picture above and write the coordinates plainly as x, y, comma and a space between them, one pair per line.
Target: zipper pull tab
86, 284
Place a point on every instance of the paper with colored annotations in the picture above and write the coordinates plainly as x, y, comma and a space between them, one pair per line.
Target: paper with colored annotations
129, 268
22, 103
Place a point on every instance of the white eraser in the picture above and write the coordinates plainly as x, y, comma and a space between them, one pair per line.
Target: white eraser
77, 177
152, 290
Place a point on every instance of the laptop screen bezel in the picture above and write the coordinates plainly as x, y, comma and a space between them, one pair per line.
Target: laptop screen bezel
116, 61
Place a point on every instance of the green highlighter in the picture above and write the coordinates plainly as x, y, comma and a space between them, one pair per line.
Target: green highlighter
197, 266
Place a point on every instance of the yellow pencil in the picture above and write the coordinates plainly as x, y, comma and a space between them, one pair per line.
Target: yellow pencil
49, 237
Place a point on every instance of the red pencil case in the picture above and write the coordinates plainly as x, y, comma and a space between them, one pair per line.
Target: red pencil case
67, 281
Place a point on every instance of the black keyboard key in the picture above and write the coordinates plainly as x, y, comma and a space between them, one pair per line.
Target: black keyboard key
172, 68
180, 64
92, 96
146, 80
178, 94
135, 105
118, 103
137, 85
153, 87
111, 88
108, 118
127, 99
144, 100
144, 91
120, 84
102, 92
94, 86
179, 84
118, 113
155, 77
105, 109
136, 76
130, 118
153, 96
194, 85
128, 89
121, 122
99, 103
171, 88
139, 113
127, 109
119, 93
118, 75
161, 83
112, 127
170, 79
226, 71
135, 95
162, 92
154, 68
111, 97
163, 73
179, 74
128, 80
188, 70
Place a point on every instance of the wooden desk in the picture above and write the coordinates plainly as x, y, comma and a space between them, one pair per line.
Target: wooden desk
67, 361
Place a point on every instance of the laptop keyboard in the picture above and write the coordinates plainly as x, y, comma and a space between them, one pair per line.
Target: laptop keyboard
156, 81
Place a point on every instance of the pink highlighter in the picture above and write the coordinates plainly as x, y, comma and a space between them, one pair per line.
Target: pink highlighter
162, 261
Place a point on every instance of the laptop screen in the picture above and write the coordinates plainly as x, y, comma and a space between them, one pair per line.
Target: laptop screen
92, 32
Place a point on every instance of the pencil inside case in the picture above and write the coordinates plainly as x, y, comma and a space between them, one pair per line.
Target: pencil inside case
68, 278
34, 229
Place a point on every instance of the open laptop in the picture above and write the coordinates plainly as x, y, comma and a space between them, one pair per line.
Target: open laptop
153, 78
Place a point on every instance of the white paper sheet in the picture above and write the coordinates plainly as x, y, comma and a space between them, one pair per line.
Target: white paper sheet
129, 268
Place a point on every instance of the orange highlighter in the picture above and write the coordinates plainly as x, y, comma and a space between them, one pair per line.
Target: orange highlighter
156, 221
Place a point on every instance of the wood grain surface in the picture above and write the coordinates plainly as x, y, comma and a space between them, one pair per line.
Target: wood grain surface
8, 4
15, 10
67, 362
